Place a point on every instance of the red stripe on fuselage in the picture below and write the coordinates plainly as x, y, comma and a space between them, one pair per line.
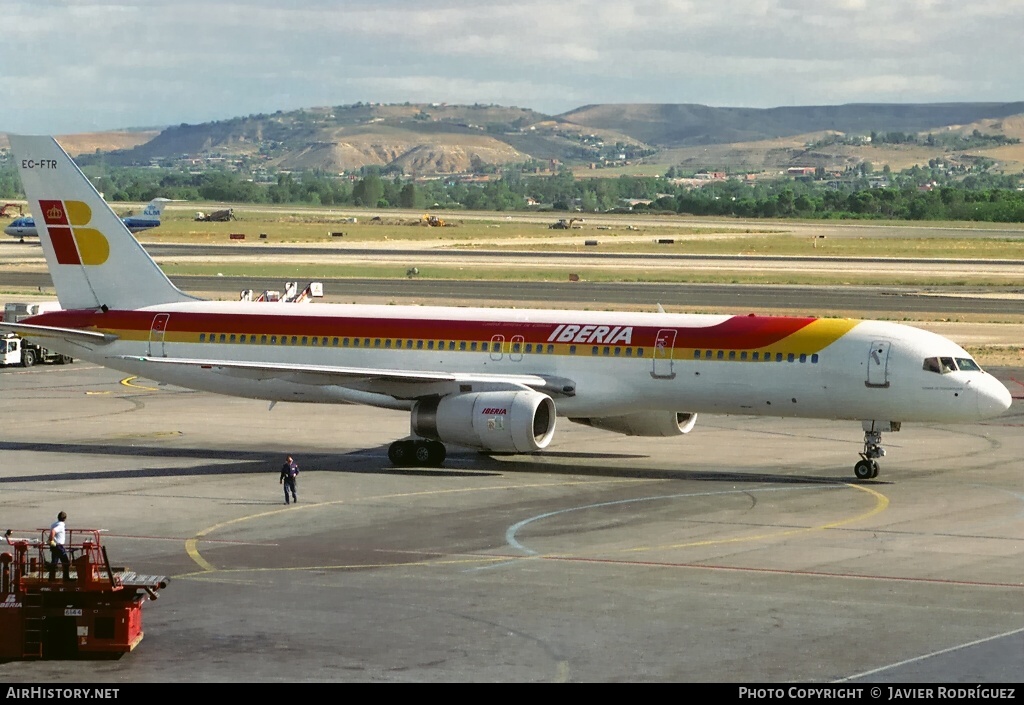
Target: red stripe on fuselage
736, 333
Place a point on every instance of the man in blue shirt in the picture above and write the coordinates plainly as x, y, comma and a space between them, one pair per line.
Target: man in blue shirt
289, 478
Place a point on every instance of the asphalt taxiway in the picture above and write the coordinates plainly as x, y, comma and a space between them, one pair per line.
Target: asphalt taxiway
742, 552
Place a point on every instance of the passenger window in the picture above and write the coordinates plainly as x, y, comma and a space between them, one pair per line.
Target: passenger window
202, 337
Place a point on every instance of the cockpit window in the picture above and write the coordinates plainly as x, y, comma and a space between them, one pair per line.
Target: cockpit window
967, 364
943, 365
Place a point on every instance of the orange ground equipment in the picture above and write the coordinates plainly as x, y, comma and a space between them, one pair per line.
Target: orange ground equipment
96, 614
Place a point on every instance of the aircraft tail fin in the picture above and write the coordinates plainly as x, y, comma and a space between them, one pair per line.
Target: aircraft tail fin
155, 208
93, 258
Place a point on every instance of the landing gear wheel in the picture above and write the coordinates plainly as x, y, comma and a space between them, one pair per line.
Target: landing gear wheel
865, 469
437, 453
421, 453
400, 453
428, 454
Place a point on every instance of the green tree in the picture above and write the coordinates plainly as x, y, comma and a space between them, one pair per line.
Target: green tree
368, 191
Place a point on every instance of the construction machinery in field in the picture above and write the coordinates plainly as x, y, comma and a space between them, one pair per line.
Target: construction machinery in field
221, 216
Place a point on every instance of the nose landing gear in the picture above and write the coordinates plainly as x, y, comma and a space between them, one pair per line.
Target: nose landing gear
867, 467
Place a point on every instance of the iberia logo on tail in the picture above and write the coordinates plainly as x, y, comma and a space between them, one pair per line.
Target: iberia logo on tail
73, 242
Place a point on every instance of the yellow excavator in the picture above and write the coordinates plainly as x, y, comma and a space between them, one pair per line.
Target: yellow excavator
433, 221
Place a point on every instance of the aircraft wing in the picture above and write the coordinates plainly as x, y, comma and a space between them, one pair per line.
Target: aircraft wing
29, 330
396, 384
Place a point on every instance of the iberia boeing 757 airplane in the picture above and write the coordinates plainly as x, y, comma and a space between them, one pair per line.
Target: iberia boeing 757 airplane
490, 379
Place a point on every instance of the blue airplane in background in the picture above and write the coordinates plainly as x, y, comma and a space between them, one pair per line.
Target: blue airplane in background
25, 226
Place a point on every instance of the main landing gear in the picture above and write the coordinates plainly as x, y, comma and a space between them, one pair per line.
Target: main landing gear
417, 453
867, 467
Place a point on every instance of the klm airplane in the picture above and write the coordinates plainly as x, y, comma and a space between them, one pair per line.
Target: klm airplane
26, 226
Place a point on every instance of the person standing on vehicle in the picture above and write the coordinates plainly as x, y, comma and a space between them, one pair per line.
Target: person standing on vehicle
289, 478
57, 551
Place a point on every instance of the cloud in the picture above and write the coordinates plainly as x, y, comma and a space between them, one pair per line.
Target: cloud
81, 65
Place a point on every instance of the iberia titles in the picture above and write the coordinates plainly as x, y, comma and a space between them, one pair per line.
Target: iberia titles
606, 335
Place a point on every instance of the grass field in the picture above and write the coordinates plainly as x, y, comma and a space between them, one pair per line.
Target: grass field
513, 232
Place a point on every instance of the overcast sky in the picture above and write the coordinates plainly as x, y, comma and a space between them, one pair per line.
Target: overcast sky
69, 66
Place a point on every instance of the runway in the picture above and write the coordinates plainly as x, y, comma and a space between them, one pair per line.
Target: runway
743, 552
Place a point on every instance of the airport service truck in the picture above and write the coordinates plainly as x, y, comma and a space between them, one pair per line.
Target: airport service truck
15, 350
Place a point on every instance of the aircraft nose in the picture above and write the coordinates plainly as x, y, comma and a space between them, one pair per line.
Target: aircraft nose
993, 398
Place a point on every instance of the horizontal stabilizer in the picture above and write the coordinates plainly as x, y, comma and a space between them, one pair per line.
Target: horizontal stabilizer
28, 330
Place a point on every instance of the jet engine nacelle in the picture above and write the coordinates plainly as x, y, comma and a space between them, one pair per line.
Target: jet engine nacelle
515, 421
645, 423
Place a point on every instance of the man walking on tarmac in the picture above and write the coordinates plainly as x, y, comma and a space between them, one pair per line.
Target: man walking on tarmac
289, 478
57, 550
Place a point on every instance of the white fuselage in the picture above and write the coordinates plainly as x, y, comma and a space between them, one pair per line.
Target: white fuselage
873, 370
